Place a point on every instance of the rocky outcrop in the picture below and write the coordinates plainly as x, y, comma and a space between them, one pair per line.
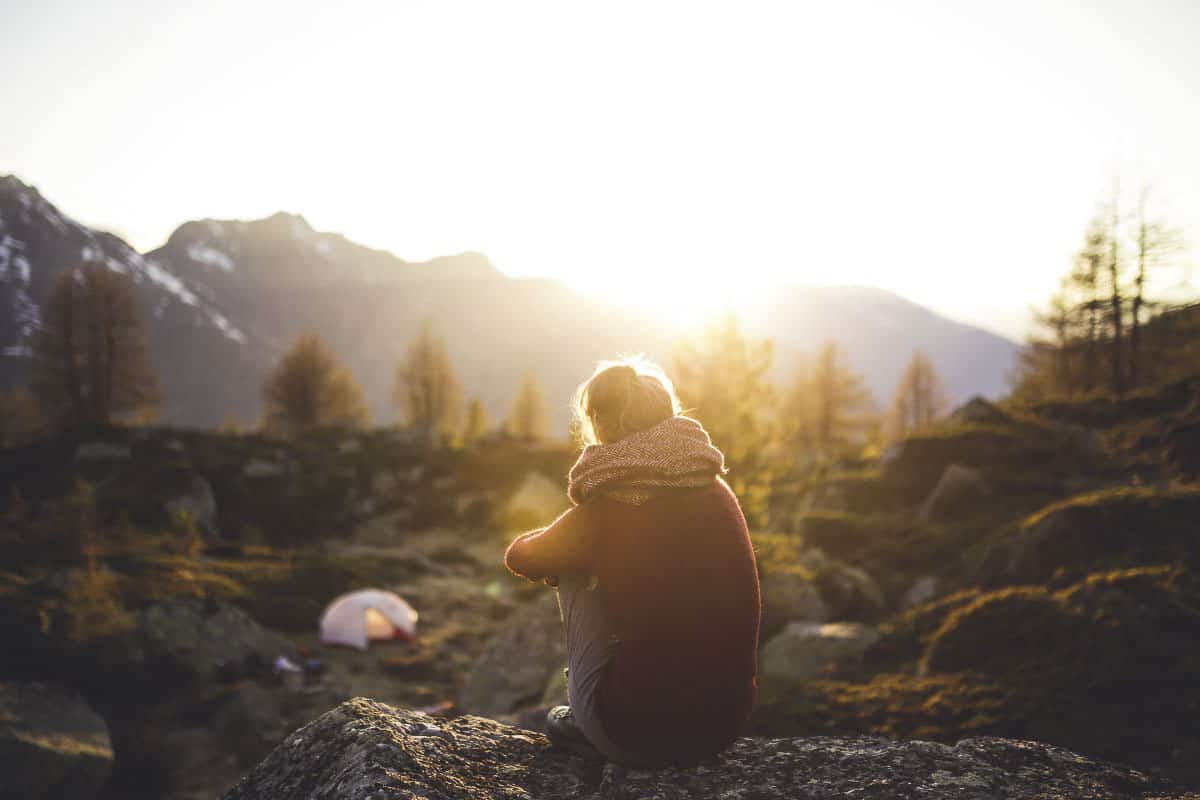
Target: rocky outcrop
190, 643
519, 660
802, 649
52, 745
789, 597
364, 749
957, 492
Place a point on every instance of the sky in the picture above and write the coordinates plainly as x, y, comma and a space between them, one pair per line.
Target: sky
673, 154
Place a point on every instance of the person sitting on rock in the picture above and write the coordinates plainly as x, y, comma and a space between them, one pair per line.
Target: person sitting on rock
657, 583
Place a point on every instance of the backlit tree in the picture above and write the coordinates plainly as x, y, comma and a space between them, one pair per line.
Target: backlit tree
427, 391
90, 363
310, 390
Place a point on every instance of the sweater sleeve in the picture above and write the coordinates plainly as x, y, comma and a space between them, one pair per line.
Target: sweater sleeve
562, 548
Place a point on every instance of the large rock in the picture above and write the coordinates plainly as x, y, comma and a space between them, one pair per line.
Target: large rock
197, 501
802, 649
519, 660
363, 749
789, 597
958, 492
1119, 526
51, 744
923, 590
849, 591
537, 501
978, 411
188, 642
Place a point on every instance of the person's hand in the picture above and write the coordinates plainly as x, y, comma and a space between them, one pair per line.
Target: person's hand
551, 580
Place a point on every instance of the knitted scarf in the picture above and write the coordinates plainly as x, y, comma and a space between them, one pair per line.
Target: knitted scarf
674, 454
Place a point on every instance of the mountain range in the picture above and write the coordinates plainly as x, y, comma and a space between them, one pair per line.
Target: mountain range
224, 299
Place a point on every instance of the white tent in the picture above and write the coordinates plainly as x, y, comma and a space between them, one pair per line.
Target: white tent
367, 615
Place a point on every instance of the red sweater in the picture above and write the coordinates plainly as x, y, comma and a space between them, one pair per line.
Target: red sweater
680, 582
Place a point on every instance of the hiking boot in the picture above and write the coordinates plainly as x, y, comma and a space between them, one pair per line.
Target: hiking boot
565, 733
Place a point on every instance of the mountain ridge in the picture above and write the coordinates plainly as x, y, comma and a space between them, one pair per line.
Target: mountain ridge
225, 298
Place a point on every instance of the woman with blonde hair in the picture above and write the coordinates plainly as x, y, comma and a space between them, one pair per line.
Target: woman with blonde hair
656, 580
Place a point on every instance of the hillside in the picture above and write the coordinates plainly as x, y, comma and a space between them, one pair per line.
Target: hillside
224, 299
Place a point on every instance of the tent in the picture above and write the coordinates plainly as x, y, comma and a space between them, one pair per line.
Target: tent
356, 618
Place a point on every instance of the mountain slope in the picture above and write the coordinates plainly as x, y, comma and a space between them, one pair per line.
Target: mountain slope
224, 299
879, 331
189, 336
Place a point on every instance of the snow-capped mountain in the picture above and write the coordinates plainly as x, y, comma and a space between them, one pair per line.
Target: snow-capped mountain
223, 299
37, 242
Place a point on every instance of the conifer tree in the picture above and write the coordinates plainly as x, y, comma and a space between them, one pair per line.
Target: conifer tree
829, 408
21, 419
722, 377
529, 418
427, 391
90, 363
920, 398
477, 423
309, 390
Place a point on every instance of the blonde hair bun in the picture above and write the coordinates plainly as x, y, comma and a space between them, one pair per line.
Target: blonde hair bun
622, 397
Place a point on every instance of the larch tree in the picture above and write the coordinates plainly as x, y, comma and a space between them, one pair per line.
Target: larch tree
920, 398
1114, 270
1086, 280
477, 423
723, 378
829, 408
1155, 244
427, 392
529, 417
1093, 334
309, 390
90, 362
21, 418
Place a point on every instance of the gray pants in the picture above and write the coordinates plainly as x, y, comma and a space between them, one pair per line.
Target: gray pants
591, 646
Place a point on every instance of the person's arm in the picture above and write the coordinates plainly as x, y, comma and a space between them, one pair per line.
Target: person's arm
562, 548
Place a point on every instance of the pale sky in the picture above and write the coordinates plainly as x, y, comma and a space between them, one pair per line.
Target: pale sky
950, 152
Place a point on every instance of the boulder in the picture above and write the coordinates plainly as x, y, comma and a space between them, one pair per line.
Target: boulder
978, 411
102, 451
190, 642
789, 597
802, 649
958, 491
364, 749
52, 745
384, 483
1115, 527
250, 722
518, 661
850, 592
537, 501
260, 468
198, 501
922, 591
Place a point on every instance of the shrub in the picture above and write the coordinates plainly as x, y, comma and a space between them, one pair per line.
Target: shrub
1020, 633
92, 610
1116, 628
1115, 527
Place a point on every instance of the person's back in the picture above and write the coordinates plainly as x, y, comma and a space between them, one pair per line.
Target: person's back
679, 581
657, 581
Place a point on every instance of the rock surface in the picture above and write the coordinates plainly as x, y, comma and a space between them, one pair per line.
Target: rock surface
789, 597
519, 660
52, 745
956, 492
186, 641
364, 749
802, 649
